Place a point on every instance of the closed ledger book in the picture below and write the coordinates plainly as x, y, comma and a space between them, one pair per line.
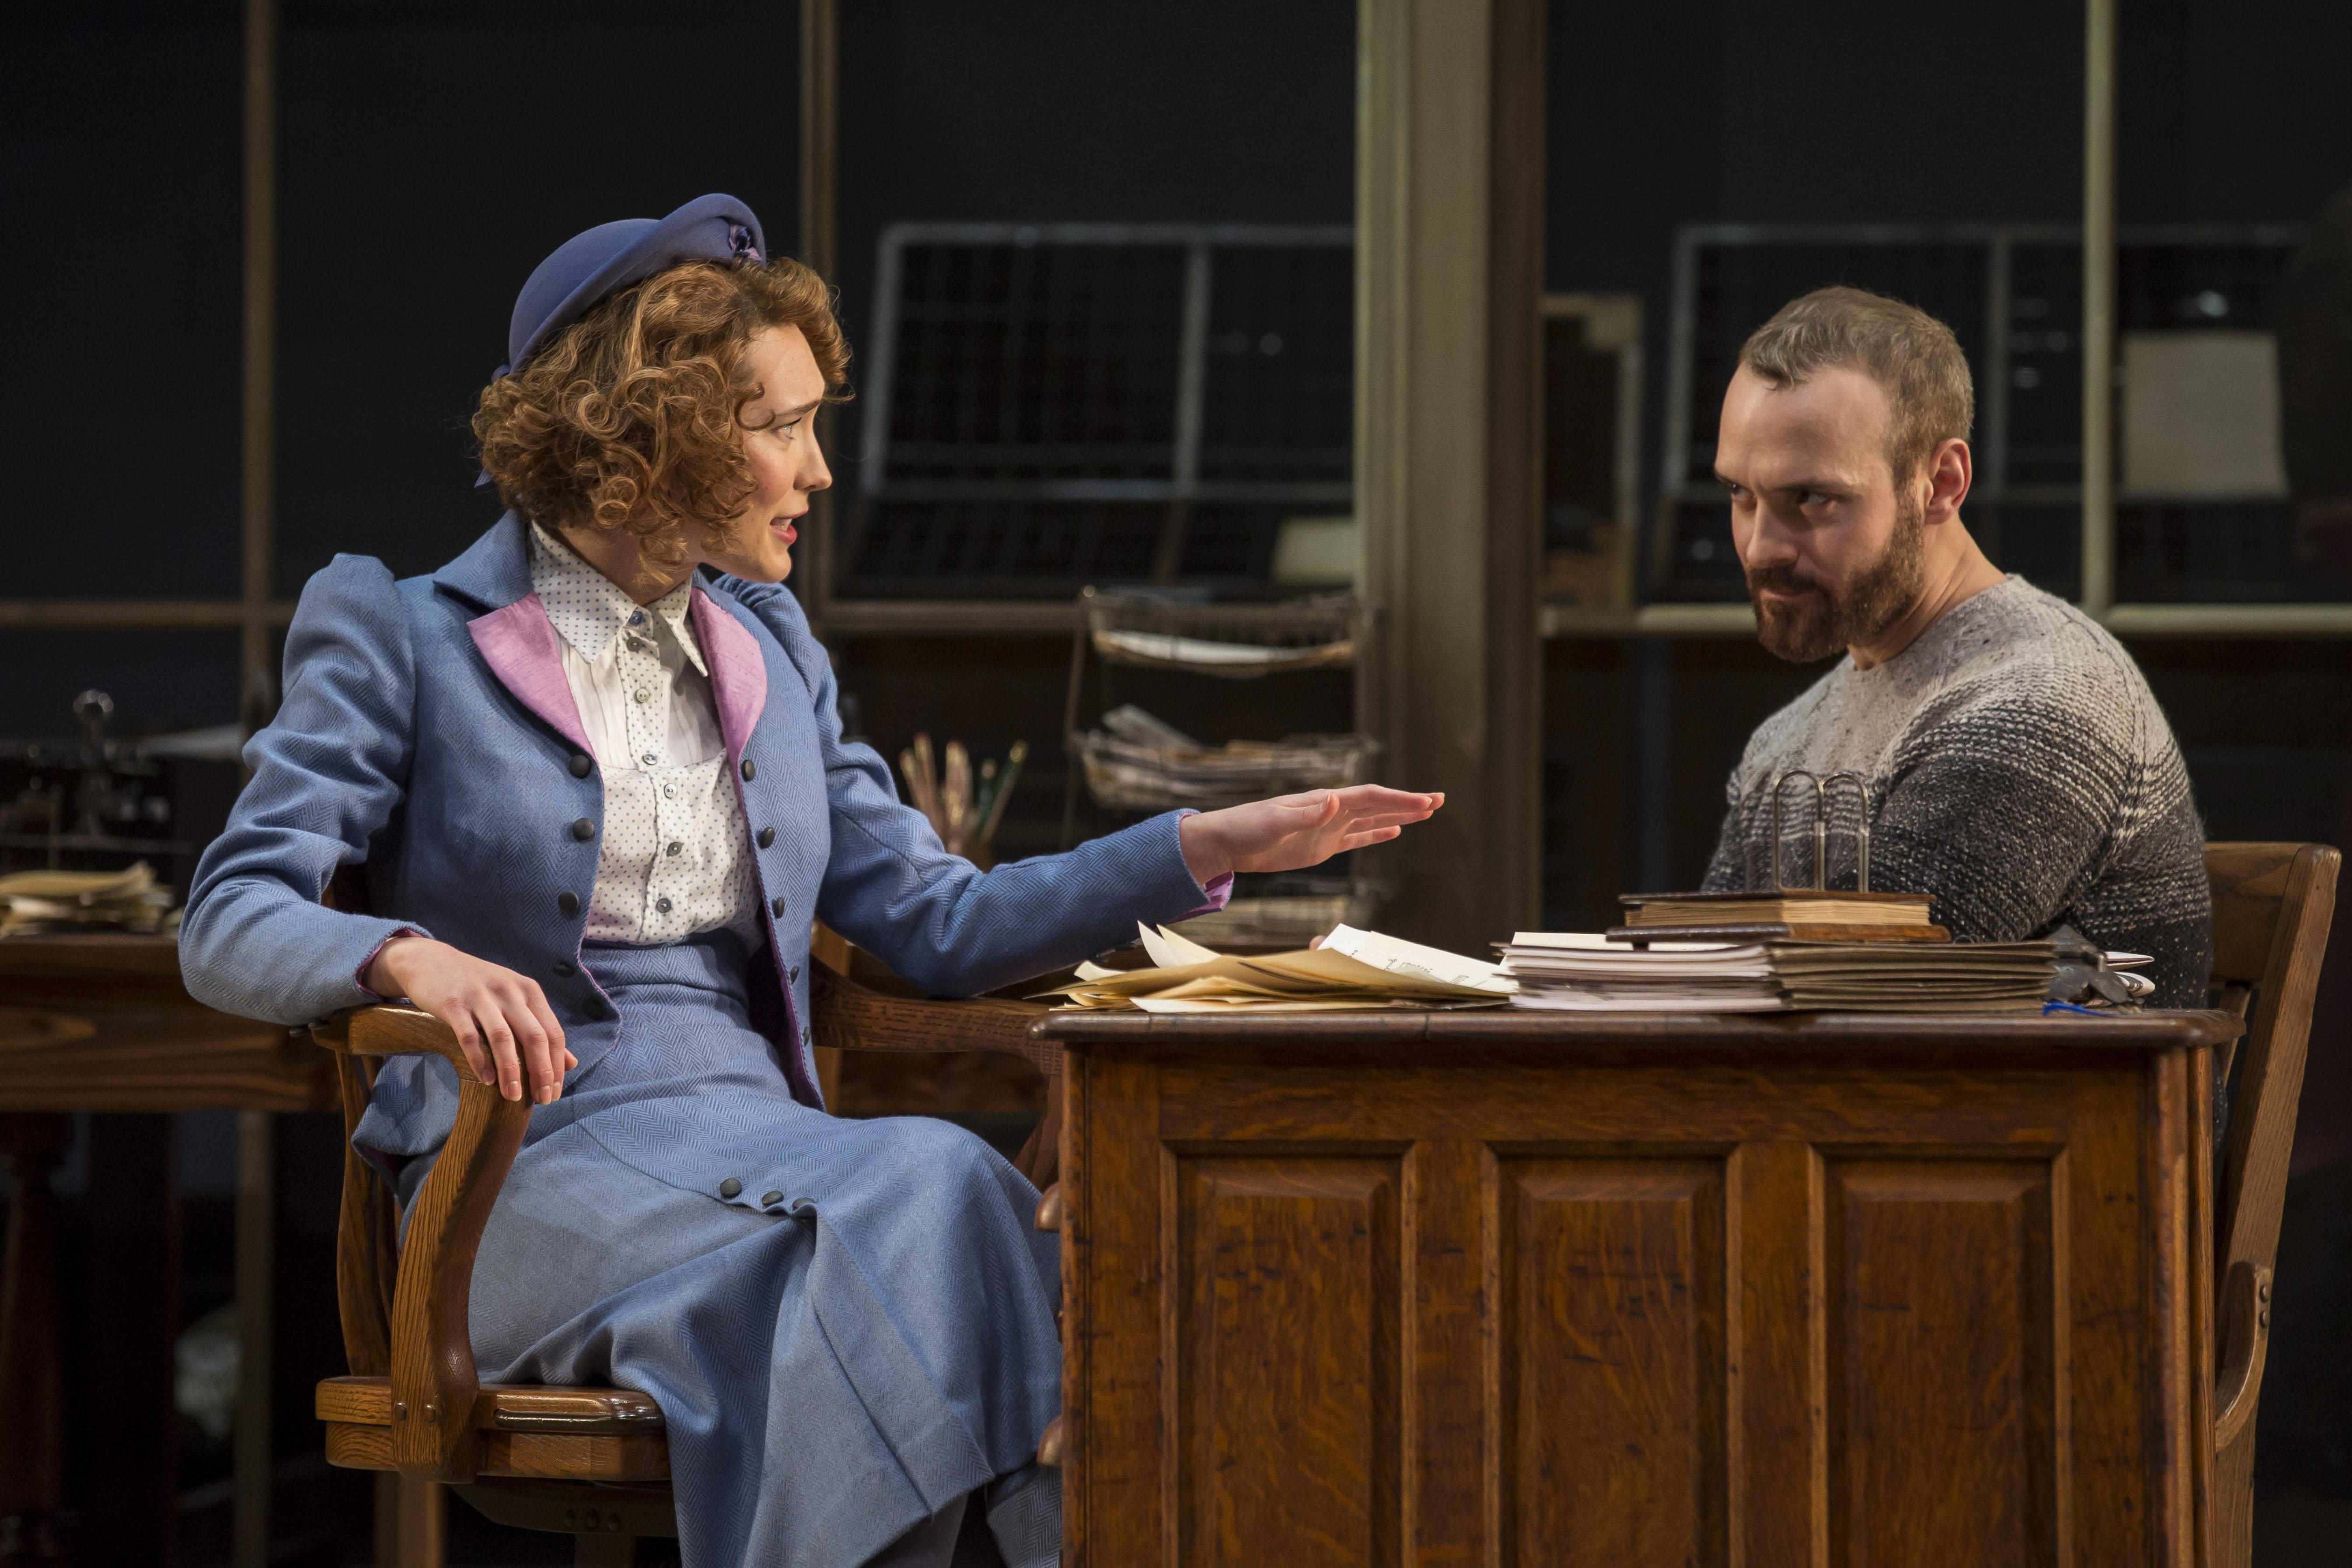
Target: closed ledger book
1586, 972
1800, 914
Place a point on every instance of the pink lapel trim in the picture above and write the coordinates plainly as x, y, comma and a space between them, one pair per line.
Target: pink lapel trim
739, 676
518, 643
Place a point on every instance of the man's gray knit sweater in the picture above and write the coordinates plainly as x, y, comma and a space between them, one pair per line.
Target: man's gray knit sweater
2021, 773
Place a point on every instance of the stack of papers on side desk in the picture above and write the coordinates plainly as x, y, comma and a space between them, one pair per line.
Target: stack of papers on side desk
1587, 973
34, 903
1351, 971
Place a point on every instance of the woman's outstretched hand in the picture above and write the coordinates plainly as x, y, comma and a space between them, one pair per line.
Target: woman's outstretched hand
1293, 831
500, 1018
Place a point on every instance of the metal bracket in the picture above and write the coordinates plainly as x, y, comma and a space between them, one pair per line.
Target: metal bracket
1823, 789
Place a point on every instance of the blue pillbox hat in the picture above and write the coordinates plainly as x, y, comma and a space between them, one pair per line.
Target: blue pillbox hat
611, 256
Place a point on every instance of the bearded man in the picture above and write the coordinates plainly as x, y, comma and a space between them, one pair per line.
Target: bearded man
2020, 771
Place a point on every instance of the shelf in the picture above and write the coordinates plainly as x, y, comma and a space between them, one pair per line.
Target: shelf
933, 619
948, 617
1725, 620
193, 613
992, 617
2230, 620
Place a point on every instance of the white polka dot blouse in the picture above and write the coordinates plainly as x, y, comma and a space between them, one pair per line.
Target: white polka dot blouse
673, 859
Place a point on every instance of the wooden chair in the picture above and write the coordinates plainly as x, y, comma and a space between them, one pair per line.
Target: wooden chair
2272, 906
590, 1462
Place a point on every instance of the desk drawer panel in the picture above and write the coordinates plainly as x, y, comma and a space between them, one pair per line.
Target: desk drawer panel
1286, 1323
1611, 1340
1946, 1329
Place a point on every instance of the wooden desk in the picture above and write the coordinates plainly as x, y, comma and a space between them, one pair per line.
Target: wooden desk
148, 1045
104, 1024
1511, 1289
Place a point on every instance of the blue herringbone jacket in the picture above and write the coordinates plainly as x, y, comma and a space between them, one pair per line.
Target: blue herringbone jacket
427, 730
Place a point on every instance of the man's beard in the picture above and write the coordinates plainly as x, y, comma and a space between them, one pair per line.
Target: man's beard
1820, 623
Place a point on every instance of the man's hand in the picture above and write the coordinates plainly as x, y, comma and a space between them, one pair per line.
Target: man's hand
497, 1016
1294, 831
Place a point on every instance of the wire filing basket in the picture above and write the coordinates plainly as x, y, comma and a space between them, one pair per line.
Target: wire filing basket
1231, 642
1290, 911
1132, 763
1127, 776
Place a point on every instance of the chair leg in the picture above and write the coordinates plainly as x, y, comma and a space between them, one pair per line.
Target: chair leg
387, 1519
1040, 1159
604, 1551
420, 1524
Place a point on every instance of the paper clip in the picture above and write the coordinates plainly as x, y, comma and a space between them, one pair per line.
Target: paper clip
1821, 788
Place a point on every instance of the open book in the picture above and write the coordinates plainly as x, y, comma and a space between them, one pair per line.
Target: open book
1351, 971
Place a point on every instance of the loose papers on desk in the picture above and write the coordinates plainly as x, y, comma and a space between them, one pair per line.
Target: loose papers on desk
1580, 972
1351, 971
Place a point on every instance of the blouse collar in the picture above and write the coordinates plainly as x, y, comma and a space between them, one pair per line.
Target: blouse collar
588, 609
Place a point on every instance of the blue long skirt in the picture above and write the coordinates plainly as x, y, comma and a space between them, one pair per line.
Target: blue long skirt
848, 1325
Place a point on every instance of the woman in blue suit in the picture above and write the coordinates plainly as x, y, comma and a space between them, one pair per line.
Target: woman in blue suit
594, 771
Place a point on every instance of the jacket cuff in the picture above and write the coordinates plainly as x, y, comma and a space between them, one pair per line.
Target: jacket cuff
1218, 894
1215, 893
359, 975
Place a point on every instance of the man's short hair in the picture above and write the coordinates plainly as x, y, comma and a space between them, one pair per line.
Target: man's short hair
1930, 398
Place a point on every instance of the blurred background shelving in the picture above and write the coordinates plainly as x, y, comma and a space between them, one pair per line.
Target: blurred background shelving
1058, 405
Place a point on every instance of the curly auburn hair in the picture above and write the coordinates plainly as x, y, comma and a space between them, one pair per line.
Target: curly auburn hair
630, 419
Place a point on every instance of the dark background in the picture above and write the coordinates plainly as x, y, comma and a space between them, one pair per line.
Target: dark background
432, 150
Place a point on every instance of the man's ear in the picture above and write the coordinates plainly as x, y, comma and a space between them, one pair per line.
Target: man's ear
1950, 469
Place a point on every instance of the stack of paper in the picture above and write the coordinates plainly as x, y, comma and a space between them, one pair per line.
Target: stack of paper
1169, 650
1959, 977
1137, 762
37, 901
1351, 971
1580, 972
1586, 972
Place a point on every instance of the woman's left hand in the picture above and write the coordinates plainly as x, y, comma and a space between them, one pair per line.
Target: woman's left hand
1293, 831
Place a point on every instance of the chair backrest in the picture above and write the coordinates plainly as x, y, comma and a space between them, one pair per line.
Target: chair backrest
2272, 907
2273, 904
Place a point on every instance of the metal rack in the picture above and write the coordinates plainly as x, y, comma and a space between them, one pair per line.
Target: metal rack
1059, 404
1226, 642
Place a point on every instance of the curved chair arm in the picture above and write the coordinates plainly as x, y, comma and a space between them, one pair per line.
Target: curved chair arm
2246, 1347
431, 1353
852, 1016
